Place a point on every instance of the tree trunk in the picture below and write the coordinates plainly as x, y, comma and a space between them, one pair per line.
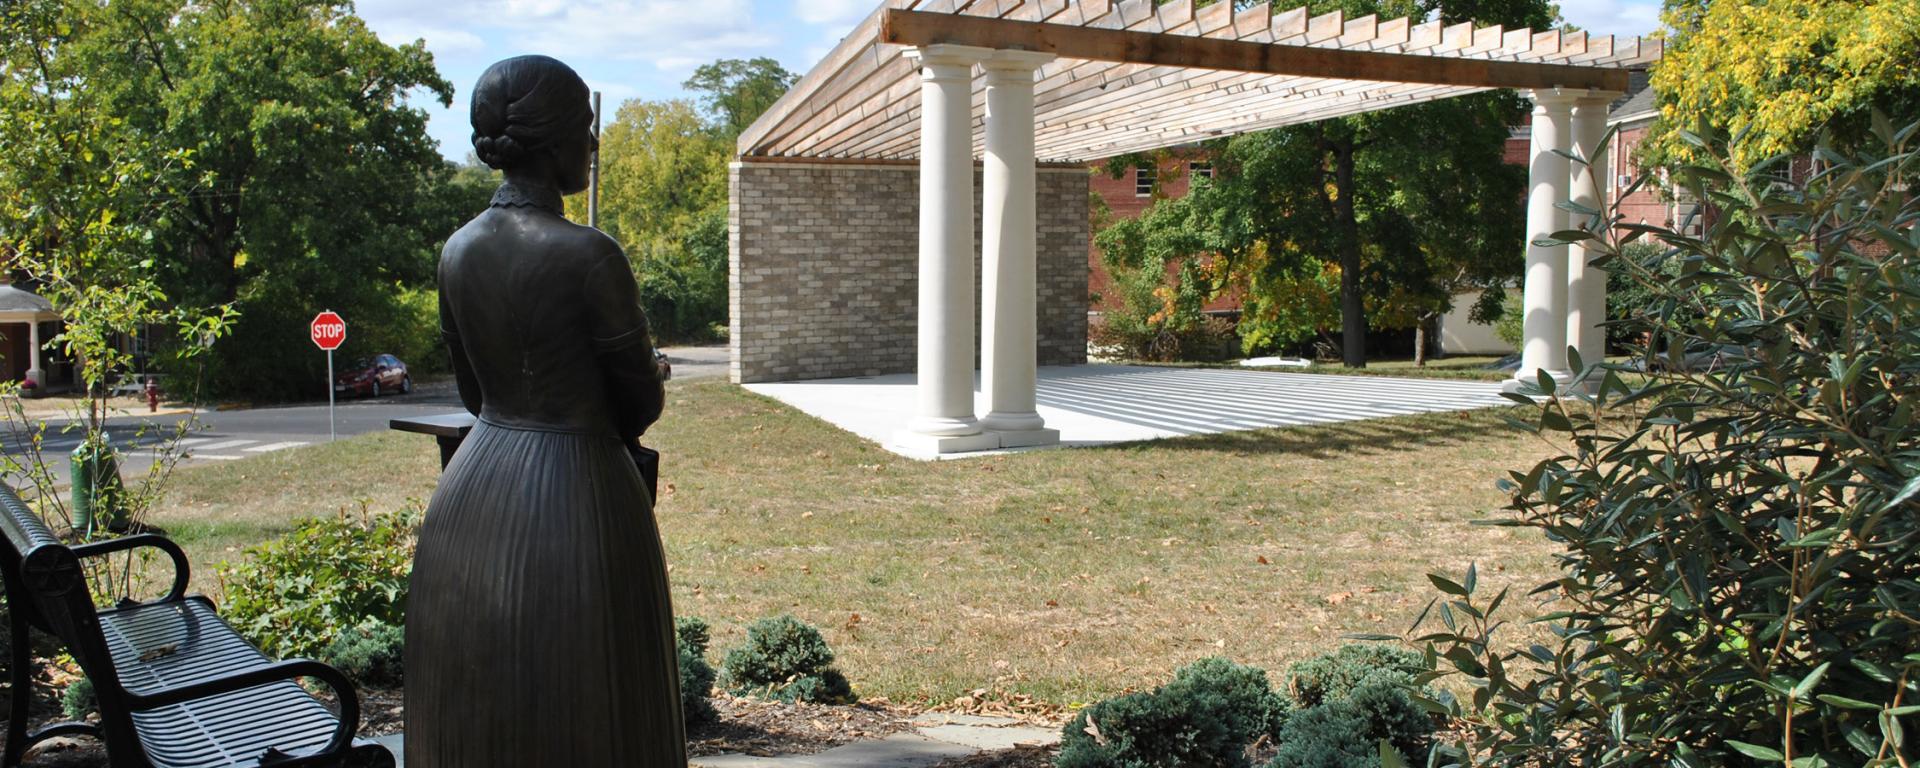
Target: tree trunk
1420, 343
1353, 319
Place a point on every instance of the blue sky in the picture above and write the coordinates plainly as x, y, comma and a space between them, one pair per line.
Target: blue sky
646, 48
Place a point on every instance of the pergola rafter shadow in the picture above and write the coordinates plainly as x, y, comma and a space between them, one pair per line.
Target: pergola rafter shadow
1020, 83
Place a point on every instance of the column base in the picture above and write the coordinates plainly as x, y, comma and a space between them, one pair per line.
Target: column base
920, 443
37, 376
1012, 422
1027, 438
1522, 380
944, 426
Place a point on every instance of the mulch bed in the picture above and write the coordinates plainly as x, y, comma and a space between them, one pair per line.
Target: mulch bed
749, 726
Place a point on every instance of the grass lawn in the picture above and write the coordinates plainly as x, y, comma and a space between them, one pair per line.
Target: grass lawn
1068, 575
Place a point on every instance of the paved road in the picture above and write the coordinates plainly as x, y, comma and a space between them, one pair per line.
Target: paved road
237, 434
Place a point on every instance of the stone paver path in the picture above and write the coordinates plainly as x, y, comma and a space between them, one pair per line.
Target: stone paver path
936, 737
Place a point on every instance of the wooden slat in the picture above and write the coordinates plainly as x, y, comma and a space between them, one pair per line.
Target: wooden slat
918, 28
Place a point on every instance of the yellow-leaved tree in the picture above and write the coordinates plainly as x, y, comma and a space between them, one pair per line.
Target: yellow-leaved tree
1773, 73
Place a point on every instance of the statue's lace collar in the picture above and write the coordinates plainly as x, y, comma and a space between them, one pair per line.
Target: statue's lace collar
511, 195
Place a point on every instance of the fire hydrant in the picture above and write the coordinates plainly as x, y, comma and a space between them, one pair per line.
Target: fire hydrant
153, 395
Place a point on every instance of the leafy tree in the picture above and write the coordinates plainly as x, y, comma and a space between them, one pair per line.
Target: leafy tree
310, 179
736, 91
1773, 74
1364, 203
79, 204
660, 170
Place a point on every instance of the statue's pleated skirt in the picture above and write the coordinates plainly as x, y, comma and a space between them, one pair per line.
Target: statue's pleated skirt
539, 627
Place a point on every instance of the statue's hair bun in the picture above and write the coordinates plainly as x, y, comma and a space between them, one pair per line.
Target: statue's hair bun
524, 102
498, 152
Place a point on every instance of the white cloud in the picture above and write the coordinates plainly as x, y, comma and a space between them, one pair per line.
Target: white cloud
833, 12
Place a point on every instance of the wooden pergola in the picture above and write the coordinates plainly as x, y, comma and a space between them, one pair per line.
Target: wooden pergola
1070, 81
1132, 77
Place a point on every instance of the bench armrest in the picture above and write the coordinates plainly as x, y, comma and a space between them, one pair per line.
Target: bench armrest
285, 670
181, 571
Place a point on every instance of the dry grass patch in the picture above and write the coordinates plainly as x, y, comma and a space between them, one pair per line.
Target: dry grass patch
1071, 575
1067, 575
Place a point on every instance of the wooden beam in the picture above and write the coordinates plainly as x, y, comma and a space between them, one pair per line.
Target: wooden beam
919, 28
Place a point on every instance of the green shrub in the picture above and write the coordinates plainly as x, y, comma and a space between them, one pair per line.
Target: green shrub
294, 595
1737, 544
77, 699
785, 659
696, 675
1209, 715
1335, 675
373, 654
1331, 735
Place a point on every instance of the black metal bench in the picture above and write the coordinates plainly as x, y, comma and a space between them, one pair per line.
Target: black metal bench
176, 686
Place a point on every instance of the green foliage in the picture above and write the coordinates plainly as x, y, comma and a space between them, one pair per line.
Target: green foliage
205, 117
1208, 715
788, 660
1511, 325
1628, 299
1333, 735
372, 654
736, 91
294, 595
1774, 74
1336, 675
696, 675
77, 701
1737, 543
1350, 223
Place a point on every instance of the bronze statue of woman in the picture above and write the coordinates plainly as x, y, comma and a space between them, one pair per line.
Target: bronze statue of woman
539, 628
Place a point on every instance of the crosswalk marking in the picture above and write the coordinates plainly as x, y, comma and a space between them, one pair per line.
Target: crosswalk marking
274, 446
222, 445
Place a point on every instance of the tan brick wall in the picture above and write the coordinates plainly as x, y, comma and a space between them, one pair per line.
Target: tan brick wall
824, 269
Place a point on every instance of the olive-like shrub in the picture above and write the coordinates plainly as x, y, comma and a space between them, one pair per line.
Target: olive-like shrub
1739, 542
785, 659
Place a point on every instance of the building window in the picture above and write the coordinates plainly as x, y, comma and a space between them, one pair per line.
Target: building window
1200, 170
1143, 182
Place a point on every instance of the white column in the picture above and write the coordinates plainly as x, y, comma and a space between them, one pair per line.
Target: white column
34, 373
1009, 347
1544, 326
1586, 283
944, 422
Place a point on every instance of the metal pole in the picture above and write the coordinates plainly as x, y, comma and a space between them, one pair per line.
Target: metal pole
593, 177
330, 432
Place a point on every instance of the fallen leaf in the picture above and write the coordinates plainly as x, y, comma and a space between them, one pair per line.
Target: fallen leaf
1263, 560
1338, 598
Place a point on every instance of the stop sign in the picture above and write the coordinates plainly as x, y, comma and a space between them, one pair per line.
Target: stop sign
329, 331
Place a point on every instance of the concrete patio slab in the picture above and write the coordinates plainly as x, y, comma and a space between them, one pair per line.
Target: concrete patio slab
1101, 404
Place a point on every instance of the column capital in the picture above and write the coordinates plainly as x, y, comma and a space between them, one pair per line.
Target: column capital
943, 56
1590, 99
1016, 61
1553, 99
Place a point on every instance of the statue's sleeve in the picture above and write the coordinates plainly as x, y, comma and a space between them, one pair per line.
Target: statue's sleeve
623, 344
463, 377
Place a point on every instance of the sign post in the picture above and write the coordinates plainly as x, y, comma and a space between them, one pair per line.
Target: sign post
329, 331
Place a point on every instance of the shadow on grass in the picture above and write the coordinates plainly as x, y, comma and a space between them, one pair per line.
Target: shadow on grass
1353, 438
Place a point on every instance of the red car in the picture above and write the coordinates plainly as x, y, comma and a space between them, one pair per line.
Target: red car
372, 376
